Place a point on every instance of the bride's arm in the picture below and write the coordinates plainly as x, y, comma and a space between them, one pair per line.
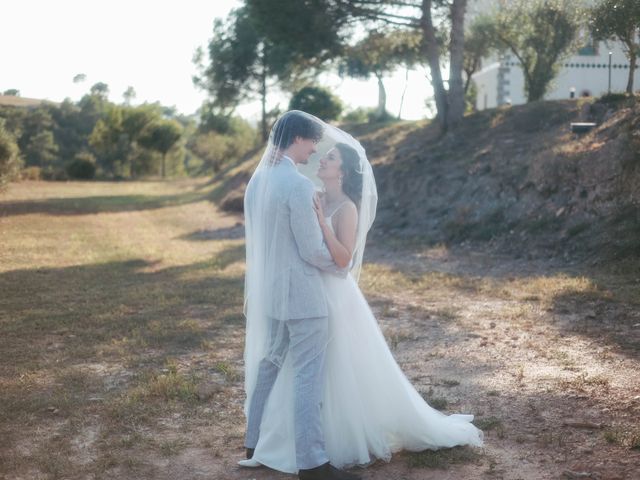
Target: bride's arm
341, 243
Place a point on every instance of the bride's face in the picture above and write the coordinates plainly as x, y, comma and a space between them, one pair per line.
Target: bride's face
330, 166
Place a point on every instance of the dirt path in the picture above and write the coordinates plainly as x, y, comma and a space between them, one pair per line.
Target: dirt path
122, 347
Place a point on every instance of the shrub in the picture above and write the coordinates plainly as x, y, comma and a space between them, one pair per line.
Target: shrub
359, 115
9, 156
31, 173
83, 166
317, 101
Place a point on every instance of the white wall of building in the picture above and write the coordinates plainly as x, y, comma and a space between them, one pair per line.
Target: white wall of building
501, 79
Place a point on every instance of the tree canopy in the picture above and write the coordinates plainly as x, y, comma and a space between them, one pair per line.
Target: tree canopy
539, 33
620, 20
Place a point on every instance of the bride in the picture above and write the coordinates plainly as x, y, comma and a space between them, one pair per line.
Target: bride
369, 408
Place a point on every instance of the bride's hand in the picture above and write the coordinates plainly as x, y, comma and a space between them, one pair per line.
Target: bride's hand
317, 207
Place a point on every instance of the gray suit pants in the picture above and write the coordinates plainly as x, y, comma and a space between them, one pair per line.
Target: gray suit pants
306, 341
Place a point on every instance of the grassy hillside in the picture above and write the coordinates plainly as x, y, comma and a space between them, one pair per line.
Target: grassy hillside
511, 176
516, 176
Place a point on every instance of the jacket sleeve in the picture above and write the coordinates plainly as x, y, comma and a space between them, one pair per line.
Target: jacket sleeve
306, 230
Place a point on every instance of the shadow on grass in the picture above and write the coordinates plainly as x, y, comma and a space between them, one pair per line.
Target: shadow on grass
98, 204
576, 300
113, 309
227, 233
597, 316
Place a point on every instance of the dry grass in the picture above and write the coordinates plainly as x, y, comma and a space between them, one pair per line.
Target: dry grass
114, 314
121, 353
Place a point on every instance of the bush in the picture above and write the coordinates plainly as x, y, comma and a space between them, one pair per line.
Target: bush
216, 149
31, 173
359, 115
53, 173
83, 166
317, 101
9, 156
615, 97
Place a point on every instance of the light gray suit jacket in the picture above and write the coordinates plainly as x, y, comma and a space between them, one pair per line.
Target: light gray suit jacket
295, 239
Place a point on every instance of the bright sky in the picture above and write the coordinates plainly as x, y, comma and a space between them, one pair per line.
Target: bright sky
146, 44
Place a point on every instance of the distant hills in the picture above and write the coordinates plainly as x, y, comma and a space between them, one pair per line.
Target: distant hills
14, 101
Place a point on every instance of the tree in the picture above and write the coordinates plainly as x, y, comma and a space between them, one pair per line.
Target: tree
109, 140
79, 78
227, 143
317, 101
244, 61
36, 141
161, 136
100, 89
620, 20
380, 53
431, 18
128, 95
479, 43
117, 134
9, 156
240, 64
12, 92
135, 121
41, 150
539, 33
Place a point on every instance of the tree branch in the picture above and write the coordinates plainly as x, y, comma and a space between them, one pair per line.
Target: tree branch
394, 3
390, 18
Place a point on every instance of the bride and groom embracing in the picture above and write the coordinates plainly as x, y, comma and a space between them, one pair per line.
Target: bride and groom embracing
323, 389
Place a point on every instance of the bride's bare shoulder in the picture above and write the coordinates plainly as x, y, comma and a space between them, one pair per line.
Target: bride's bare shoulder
348, 210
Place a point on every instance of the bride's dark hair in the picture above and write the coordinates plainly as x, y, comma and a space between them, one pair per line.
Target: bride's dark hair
352, 173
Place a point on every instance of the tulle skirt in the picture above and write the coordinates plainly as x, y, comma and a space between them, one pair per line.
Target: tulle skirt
370, 409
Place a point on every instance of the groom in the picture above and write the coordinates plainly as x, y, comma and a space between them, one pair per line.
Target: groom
303, 333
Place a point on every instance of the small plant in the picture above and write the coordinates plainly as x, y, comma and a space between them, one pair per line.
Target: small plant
439, 403
624, 436
488, 423
227, 370
442, 459
450, 383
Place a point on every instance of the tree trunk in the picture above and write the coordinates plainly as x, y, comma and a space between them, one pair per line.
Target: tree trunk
469, 74
632, 68
535, 87
456, 64
164, 158
404, 90
263, 94
433, 59
382, 98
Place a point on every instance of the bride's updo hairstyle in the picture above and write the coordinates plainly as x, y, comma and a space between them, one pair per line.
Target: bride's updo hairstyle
352, 173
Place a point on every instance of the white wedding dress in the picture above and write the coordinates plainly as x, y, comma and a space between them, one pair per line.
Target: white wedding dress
370, 409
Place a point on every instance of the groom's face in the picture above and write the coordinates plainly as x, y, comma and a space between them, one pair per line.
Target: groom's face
304, 148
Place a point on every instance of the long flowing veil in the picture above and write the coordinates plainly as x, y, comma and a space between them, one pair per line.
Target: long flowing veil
267, 277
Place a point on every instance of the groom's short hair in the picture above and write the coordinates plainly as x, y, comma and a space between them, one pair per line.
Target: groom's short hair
295, 124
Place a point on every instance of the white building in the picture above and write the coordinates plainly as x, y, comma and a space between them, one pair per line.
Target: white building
586, 73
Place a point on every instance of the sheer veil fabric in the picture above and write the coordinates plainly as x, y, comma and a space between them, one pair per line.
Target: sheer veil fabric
268, 276
369, 408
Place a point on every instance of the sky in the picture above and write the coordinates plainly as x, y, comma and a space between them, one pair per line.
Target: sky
148, 45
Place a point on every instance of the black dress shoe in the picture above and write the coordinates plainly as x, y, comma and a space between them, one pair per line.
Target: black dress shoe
326, 472
250, 453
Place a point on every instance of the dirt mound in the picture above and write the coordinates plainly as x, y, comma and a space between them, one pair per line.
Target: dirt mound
516, 176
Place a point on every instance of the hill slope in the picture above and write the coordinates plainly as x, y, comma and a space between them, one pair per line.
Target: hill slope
510, 176
516, 175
